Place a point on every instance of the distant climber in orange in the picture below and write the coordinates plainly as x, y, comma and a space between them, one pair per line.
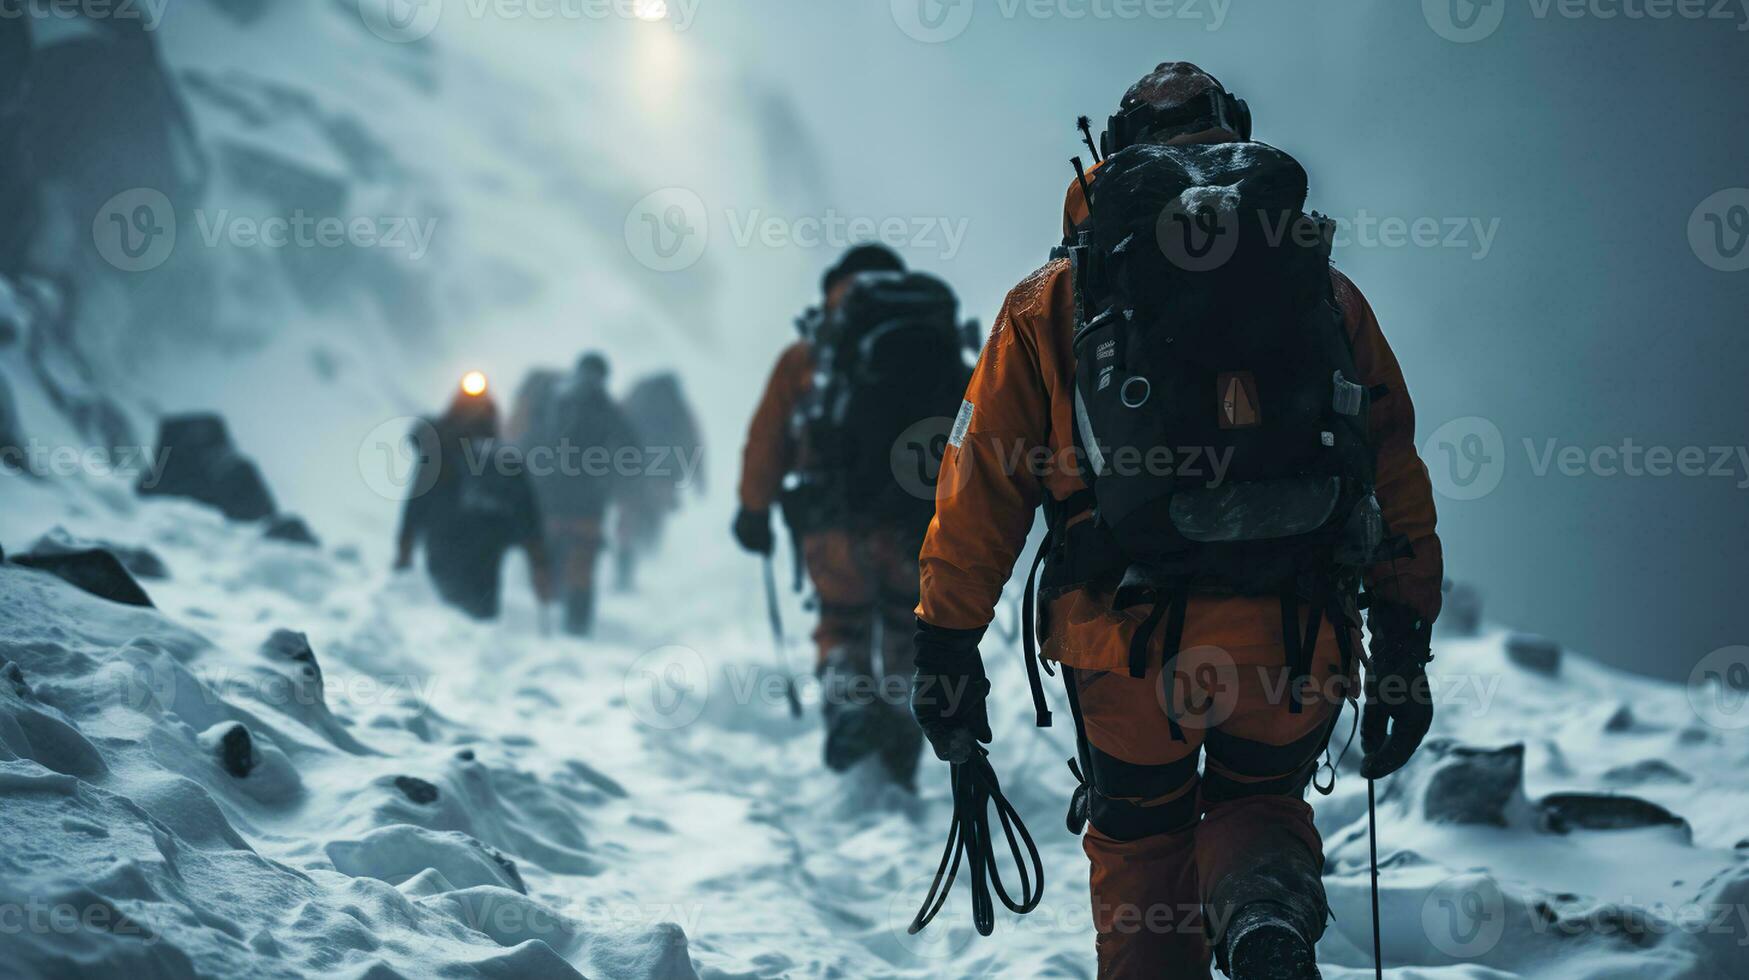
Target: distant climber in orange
880, 360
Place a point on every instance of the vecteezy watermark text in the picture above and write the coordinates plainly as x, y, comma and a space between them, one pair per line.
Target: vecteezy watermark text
61, 461
669, 230
1467, 459
1469, 21
137, 230
407, 21
939, 21
402, 458
148, 13
301, 229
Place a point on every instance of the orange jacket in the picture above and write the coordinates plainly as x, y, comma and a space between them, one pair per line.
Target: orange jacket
771, 445
1022, 394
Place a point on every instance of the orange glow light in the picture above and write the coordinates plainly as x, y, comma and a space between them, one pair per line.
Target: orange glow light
474, 383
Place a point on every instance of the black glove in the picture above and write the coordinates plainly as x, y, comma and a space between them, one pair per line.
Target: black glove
753, 530
1398, 695
948, 693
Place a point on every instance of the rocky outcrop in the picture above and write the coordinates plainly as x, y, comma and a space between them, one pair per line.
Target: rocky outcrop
201, 463
140, 561
97, 572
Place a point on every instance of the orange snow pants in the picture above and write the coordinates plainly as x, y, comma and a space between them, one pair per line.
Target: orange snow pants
1175, 852
865, 578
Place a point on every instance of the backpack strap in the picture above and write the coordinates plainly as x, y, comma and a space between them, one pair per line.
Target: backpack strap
1082, 765
1299, 647
1057, 515
1170, 606
1029, 639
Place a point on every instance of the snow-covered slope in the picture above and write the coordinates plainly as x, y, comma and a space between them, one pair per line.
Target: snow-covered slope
429, 796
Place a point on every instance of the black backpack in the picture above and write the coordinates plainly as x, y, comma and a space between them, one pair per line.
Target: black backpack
889, 379
1221, 425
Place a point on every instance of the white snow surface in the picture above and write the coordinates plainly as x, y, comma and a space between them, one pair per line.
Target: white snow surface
643, 806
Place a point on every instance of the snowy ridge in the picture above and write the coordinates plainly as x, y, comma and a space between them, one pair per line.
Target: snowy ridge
428, 796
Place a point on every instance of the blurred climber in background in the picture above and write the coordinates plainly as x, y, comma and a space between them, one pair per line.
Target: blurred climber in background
584, 457
846, 440
657, 406
470, 503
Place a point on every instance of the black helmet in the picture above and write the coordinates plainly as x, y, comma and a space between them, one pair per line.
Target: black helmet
862, 258
1175, 98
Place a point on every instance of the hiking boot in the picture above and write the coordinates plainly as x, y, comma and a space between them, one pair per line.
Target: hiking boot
1262, 945
852, 735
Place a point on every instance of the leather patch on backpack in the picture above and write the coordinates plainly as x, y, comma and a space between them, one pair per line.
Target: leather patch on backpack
1237, 391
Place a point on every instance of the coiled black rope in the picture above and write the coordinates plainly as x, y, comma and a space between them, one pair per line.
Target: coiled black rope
975, 787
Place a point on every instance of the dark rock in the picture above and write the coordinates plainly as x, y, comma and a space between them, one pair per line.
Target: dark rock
14, 676
201, 463
237, 750
466, 755
509, 867
1534, 652
141, 562
97, 572
1565, 812
417, 790
11, 436
1621, 720
1646, 771
290, 528
287, 645
1471, 785
1461, 614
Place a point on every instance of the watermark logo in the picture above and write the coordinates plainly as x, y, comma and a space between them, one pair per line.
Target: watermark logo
1718, 230
398, 459
1202, 690
1198, 235
1464, 21
668, 229
916, 459
1464, 917
135, 231
1718, 688
668, 687
933, 21
946, 936
401, 21
1466, 458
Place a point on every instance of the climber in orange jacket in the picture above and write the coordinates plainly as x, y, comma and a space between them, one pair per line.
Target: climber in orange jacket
1165, 663
864, 574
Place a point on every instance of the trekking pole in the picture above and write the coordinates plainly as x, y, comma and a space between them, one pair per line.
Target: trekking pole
1372, 833
789, 678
